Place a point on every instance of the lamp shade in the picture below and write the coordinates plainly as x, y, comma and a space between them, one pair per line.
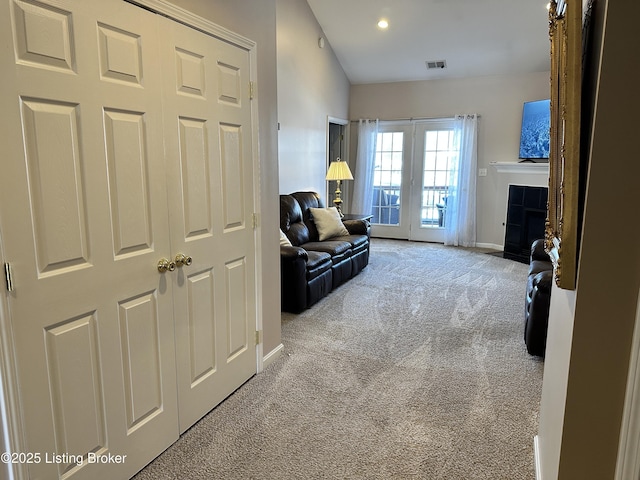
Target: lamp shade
339, 170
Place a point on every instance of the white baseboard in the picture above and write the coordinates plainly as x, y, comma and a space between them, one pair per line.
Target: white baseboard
272, 356
492, 246
536, 456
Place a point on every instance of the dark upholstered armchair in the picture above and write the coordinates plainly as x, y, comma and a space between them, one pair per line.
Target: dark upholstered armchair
538, 299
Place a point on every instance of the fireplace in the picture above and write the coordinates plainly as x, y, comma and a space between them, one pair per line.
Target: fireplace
526, 215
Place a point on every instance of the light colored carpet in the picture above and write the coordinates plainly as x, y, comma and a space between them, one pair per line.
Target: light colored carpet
416, 369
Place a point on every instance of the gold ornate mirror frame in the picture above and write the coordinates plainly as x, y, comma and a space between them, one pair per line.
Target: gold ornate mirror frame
561, 229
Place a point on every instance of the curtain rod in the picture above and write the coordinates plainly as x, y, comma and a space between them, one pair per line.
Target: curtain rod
410, 119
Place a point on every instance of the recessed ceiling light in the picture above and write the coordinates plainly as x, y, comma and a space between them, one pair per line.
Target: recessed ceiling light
383, 24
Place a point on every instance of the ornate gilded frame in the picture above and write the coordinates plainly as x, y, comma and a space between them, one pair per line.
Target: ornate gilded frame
561, 229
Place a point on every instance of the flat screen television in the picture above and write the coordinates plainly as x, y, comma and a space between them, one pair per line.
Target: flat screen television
534, 133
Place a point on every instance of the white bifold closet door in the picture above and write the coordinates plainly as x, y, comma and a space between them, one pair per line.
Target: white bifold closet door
207, 132
126, 140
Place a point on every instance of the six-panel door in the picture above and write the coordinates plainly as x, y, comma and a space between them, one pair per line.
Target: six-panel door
89, 205
207, 131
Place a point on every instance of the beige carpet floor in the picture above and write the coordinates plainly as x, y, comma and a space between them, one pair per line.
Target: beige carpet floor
414, 369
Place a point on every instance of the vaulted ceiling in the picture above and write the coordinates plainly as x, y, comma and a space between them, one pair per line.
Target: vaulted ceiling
473, 37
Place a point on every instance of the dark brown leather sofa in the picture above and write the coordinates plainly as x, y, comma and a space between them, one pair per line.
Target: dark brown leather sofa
538, 298
311, 268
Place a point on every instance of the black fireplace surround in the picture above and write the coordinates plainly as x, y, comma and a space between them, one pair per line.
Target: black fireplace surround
526, 215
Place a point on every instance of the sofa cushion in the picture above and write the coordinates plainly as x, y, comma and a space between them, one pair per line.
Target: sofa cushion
317, 263
291, 222
328, 223
537, 266
355, 240
538, 252
332, 247
306, 201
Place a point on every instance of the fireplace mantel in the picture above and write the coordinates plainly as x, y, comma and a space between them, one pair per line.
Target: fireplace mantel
525, 167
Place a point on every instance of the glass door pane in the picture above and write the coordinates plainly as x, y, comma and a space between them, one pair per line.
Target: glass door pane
387, 178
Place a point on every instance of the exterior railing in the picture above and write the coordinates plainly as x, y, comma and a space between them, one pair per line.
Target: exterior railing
386, 205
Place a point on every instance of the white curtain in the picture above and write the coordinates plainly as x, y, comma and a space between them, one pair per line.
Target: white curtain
460, 214
365, 161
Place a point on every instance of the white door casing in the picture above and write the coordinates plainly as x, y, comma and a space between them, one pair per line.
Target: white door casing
337, 146
628, 462
83, 207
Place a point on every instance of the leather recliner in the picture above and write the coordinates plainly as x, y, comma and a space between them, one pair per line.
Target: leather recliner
538, 299
311, 268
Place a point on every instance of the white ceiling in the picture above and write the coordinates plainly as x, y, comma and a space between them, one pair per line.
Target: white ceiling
475, 37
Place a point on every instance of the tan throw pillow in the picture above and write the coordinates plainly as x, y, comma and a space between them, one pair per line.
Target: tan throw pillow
284, 240
328, 222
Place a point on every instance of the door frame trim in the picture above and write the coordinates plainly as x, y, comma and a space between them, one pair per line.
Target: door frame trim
628, 463
9, 399
190, 19
344, 154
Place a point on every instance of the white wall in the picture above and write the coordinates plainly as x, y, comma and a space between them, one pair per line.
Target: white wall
256, 20
311, 87
556, 375
498, 100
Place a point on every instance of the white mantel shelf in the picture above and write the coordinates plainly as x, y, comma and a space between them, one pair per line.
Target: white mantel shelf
525, 167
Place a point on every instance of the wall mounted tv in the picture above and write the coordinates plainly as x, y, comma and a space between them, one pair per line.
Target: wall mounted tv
534, 134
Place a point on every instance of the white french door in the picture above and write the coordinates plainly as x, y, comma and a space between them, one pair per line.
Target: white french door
434, 159
411, 179
392, 181
126, 139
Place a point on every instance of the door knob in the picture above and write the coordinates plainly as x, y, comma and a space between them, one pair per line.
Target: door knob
166, 265
182, 259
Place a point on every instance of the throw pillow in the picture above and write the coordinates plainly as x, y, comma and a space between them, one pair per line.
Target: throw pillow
328, 222
284, 241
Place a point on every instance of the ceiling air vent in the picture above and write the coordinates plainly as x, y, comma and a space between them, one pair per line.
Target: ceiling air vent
433, 64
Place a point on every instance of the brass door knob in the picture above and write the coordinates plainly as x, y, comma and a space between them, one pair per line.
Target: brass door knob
182, 259
166, 265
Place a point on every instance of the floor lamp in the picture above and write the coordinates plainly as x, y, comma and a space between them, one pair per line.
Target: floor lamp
338, 171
